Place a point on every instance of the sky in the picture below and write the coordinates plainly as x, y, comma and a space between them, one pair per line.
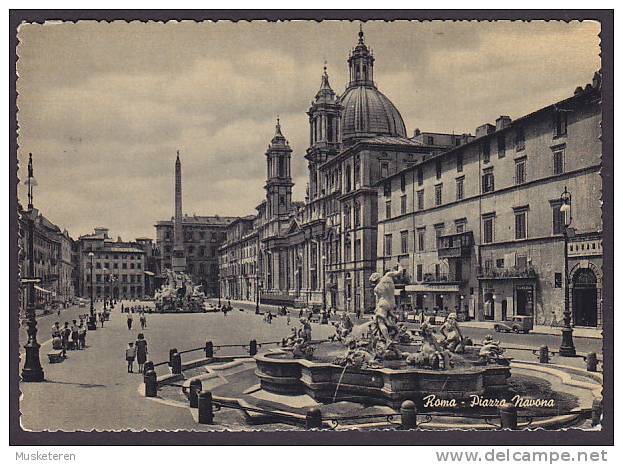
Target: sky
103, 107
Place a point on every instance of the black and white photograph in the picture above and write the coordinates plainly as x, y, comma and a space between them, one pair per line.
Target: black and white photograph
310, 226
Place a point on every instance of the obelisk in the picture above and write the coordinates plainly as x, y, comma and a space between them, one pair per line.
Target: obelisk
178, 261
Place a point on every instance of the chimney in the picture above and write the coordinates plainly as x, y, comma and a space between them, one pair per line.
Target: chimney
484, 130
502, 122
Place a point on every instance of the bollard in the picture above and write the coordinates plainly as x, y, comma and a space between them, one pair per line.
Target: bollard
176, 364
591, 362
204, 405
209, 350
543, 354
597, 412
148, 366
193, 395
508, 416
313, 418
171, 352
408, 415
252, 347
151, 384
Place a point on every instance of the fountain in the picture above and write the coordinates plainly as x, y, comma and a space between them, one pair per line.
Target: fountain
179, 294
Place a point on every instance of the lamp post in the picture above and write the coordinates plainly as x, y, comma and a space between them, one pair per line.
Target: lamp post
92, 323
32, 371
324, 282
567, 349
257, 292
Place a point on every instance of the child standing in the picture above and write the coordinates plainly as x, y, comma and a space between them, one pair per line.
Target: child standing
130, 354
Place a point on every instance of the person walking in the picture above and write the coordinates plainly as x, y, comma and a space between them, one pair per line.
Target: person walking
82, 336
129, 321
102, 318
288, 318
74, 335
65, 335
130, 354
143, 320
141, 351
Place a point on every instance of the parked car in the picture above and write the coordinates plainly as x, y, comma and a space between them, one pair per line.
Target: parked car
518, 324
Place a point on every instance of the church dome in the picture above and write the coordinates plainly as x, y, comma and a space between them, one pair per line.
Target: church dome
368, 112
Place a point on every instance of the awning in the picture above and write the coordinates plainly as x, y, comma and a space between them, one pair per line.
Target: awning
40, 289
430, 288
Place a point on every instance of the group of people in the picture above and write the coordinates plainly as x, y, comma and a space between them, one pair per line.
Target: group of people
142, 317
68, 337
137, 350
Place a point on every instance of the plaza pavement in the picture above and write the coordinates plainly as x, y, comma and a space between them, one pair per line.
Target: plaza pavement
91, 389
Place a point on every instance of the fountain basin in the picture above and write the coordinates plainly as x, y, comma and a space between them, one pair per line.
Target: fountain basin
280, 374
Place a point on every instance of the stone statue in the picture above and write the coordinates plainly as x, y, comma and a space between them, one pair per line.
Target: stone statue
384, 317
491, 352
452, 333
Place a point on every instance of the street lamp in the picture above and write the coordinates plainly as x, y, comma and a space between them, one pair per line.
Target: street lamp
324, 282
92, 323
567, 349
32, 371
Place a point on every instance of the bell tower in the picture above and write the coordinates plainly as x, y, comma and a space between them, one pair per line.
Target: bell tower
324, 131
361, 64
278, 175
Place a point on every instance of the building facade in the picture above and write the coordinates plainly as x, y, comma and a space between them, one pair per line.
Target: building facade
52, 258
112, 268
321, 252
238, 261
479, 228
202, 236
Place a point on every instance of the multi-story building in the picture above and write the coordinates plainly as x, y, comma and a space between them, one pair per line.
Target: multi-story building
203, 235
118, 268
238, 261
479, 228
52, 258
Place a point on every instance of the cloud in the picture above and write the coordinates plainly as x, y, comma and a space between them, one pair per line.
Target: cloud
103, 107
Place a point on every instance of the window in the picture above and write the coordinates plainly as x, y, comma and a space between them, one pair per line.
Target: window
387, 189
348, 180
499, 263
404, 242
357, 214
439, 229
558, 280
520, 171
420, 176
558, 218
430, 140
346, 216
559, 161
403, 204
520, 139
419, 272
501, 146
421, 239
486, 151
357, 249
488, 181
387, 250
403, 182
459, 163
560, 123
488, 228
438, 169
460, 193
438, 194
420, 200
384, 169
357, 172
388, 209
460, 225
521, 224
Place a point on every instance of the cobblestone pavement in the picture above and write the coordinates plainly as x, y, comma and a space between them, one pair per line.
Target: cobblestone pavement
91, 389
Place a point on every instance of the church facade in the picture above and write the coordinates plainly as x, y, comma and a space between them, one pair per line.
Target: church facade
321, 252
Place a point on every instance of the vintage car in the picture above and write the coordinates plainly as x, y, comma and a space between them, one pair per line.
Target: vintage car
518, 324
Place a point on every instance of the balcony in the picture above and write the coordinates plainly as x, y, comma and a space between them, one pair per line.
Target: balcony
439, 278
515, 272
455, 245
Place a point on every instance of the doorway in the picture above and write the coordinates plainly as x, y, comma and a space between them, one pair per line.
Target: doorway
525, 300
585, 298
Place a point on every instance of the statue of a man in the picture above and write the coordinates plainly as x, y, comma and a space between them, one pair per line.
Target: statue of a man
384, 288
